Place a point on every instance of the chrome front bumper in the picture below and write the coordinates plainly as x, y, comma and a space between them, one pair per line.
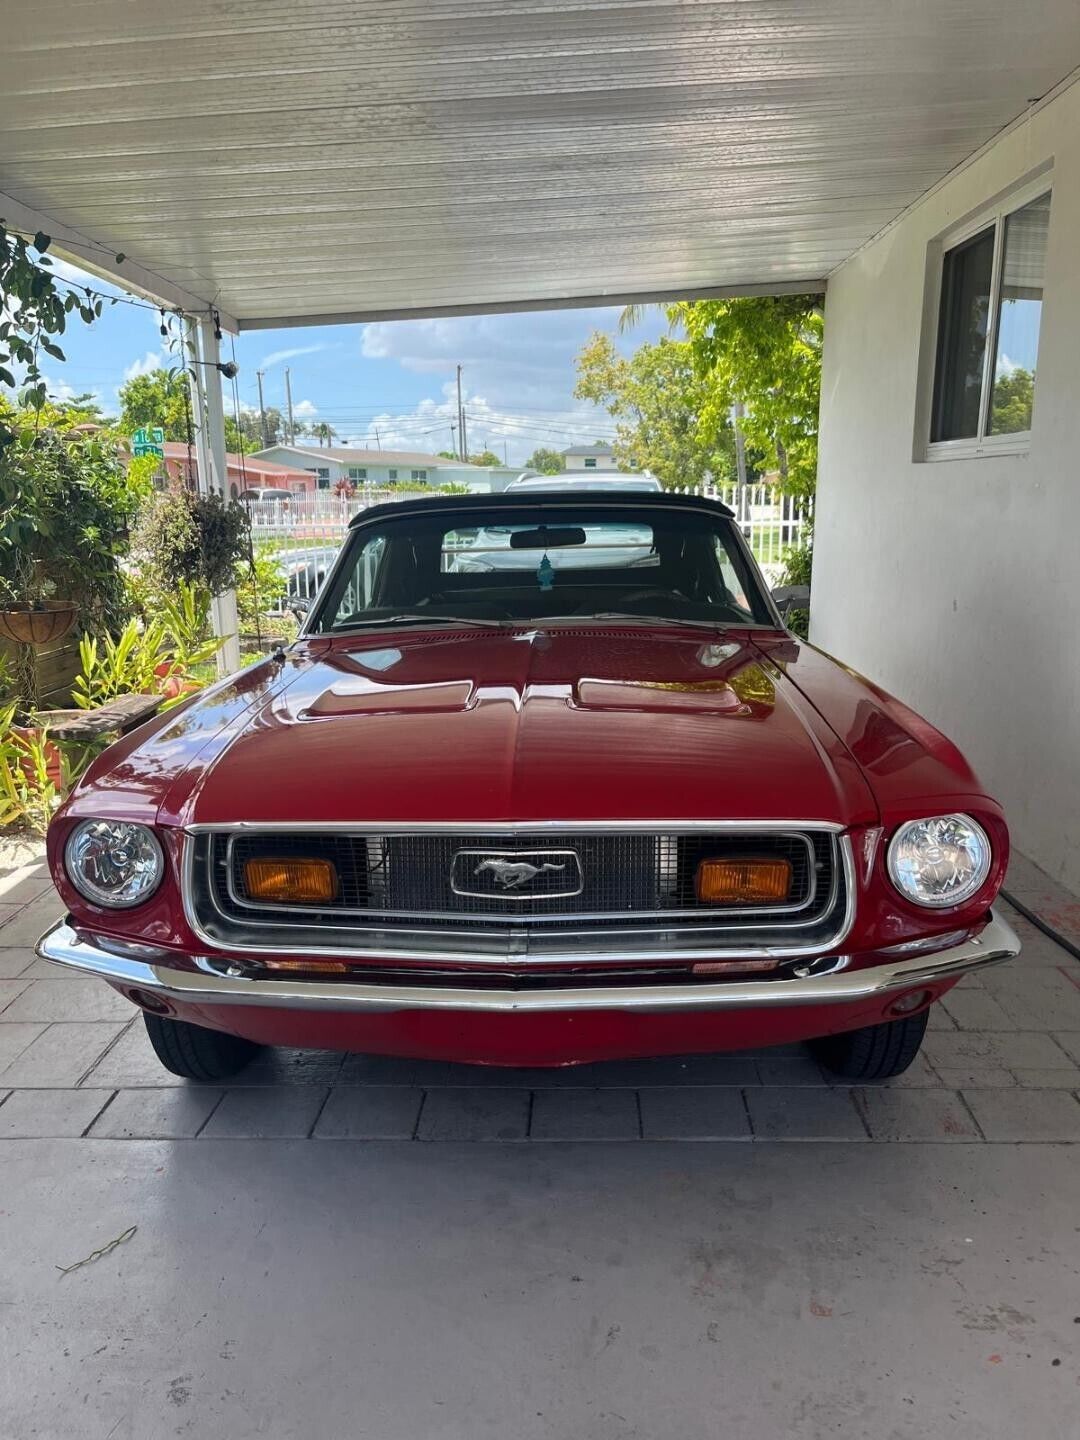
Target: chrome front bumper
148, 969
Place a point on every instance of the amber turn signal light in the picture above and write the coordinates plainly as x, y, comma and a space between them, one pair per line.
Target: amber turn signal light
303, 882
743, 882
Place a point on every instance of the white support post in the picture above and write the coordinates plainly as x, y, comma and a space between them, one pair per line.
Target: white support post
214, 475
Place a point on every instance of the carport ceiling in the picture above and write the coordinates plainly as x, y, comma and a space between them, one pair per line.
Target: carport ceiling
300, 160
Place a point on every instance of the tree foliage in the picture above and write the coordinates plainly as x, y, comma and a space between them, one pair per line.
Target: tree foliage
1014, 396
485, 457
546, 462
159, 397
663, 408
765, 353
33, 311
66, 503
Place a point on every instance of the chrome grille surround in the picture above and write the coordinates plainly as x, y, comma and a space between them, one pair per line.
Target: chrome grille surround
503, 936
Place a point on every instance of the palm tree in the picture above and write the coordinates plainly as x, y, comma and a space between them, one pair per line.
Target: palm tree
324, 432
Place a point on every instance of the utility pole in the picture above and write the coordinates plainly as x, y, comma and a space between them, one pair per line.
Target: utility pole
378, 442
453, 438
288, 404
262, 411
506, 452
462, 452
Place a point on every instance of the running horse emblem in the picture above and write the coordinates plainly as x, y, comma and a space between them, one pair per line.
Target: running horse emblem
511, 874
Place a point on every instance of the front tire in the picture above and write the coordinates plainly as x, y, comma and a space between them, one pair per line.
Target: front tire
195, 1053
876, 1052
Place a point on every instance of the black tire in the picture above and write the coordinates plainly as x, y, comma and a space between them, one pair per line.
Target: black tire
877, 1052
196, 1053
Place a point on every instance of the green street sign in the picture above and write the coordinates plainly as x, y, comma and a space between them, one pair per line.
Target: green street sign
148, 440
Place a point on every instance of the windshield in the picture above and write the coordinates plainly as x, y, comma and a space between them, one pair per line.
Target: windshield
560, 561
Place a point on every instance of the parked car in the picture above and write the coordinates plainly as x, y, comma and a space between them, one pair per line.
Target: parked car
610, 481
534, 816
267, 492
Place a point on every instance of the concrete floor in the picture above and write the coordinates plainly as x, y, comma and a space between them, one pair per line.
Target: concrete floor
911, 1269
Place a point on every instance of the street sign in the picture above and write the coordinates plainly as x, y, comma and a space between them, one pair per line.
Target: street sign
149, 440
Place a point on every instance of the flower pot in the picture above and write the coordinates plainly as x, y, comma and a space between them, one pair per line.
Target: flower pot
38, 624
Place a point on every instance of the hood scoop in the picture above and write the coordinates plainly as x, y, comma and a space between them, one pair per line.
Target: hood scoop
701, 697
361, 696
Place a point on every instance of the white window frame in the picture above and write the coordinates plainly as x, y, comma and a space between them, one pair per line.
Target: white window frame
357, 473
982, 444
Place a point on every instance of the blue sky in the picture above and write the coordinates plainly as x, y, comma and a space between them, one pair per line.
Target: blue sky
395, 378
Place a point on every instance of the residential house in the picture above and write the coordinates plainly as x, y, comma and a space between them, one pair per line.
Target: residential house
590, 457
948, 509
245, 472
381, 468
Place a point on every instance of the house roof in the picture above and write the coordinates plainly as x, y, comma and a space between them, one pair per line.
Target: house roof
347, 455
588, 450
253, 465
298, 162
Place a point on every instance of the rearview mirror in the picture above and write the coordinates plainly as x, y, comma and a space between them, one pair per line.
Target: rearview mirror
544, 539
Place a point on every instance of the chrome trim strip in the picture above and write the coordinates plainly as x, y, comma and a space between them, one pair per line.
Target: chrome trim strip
517, 827
455, 945
204, 987
685, 917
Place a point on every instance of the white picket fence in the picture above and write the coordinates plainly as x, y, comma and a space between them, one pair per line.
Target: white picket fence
305, 532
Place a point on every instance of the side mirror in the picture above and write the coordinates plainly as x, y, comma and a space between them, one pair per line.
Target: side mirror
791, 597
299, 605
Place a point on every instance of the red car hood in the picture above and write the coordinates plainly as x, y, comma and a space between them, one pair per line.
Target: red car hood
483, 726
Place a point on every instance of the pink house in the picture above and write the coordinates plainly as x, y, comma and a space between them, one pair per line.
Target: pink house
245, 471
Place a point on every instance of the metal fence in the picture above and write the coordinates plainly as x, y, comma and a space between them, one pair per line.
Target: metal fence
305, 532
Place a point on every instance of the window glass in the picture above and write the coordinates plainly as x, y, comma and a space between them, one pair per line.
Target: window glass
590, 463
392, 474
558, 563
1019, 312
962, 326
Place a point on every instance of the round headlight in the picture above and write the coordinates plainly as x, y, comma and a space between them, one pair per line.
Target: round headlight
114, 862
941, 861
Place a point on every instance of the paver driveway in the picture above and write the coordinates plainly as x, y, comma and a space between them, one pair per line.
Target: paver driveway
910, 1269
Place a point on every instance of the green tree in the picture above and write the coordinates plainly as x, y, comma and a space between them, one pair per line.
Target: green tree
324, 433
765, 353
1014, 396
547, 462
485, 457
658, 401
159, 397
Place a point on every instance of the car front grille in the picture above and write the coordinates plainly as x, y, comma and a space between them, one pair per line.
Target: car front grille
511, 895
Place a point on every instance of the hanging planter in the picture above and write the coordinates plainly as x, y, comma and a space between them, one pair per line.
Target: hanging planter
38, 624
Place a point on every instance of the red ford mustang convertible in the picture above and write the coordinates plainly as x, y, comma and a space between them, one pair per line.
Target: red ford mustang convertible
543, 780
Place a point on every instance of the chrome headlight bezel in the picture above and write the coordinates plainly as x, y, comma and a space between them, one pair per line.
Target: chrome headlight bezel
902, 868
147, 869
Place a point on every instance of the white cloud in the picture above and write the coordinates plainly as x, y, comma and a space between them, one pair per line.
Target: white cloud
277, 357
518, 378
152, 360
509, 433
1005, 366
305, 410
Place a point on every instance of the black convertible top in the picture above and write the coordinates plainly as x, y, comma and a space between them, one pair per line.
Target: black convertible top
540, 500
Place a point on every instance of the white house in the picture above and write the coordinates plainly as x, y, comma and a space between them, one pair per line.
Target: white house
386, 467
947, 553
589, 457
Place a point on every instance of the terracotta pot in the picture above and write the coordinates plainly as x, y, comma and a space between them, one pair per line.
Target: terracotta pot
38, 624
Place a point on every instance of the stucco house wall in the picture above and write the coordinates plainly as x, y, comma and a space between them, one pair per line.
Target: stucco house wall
956, 583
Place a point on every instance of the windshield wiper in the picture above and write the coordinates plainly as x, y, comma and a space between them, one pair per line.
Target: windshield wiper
655, 620
418, 619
